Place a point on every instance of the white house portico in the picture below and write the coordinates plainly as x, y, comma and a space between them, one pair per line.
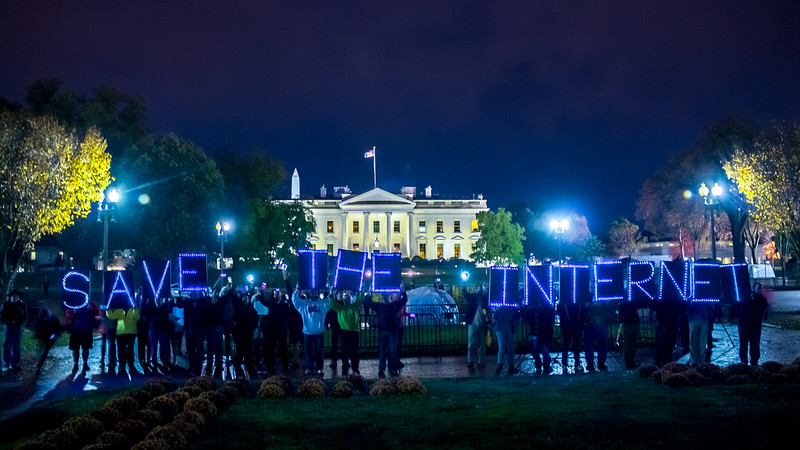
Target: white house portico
380, 221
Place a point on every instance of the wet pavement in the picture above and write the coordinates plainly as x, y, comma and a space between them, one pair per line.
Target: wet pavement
23, 389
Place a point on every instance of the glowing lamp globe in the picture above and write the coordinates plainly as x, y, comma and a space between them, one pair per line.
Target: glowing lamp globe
113, 195
703, 191
716, 191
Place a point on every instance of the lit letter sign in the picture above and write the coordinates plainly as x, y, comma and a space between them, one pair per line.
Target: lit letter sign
504, 286
155, 277
641, 281
118, 289
192, 274
386, 272
538, 284
75, 288
312, 268
575, 281
674, 285
608, 281
706, 282
349, 273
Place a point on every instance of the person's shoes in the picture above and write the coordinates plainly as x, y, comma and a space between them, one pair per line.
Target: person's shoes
308, 373
75, 368
332, 365
355, 371
537, 372
470, 366
547, 370
393, 373
631, 366
589, 368
86, 368
15, 368
578, 367
400, 365
481, 364
321, 372
512, 370
499, 369
602, 367
381, 374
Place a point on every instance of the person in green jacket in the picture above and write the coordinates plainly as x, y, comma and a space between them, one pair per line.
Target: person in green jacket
126, 319
348, 313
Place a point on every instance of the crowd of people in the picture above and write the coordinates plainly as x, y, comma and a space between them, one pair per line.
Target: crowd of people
245, 327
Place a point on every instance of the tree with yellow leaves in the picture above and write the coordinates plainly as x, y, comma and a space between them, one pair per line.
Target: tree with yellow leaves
48, 178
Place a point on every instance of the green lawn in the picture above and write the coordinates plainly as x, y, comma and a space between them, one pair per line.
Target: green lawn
603, 410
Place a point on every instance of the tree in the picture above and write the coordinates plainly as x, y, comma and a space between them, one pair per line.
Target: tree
48, 178
500, 241
171, 197
625, 238
767, 175
274, 231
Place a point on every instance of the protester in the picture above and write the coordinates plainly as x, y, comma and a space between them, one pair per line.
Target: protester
176, 338
668, 313
108, 343
245, 322
571, 318
48, 329
478, 319
194, 306
313, 311
275, 329
214, 330
505, 318
387, 317
596, 332
629, 320
126, 318
145, 348
347, 315
750, 317
81, 323
158, 311
699, 315
541, 320
13, 315
332, 323
294, 323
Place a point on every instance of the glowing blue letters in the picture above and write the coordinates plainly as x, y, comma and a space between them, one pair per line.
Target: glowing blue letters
75, 288
706, 282
504, 286
149, 289
608, 281
118, 294
641, 281
312, 268
538, 284
386, 272
674, 283
192, 274
349, 273
735, 280
572, 276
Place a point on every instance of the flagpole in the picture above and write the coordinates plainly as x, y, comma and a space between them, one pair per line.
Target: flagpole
374, 168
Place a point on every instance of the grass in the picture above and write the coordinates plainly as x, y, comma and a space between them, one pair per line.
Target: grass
786, 320
604, 411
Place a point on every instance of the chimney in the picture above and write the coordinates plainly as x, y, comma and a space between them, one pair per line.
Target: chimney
428, 191
323, 193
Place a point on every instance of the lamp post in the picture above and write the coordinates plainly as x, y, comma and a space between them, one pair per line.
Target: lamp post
106, 210
711, 200
222, 235
559, 227
376, 245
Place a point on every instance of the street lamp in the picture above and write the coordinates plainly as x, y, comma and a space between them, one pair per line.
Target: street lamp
376, 244
711, 200
559, 227
106, 210
222, 235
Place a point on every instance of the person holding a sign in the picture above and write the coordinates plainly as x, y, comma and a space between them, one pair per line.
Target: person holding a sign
541, 319
387, 316
505, 318
478, 319
126, 317
81, 323
313, 310
750, 317
245, 321
276, 329
347, 313
214, 321
571, 316
158, 311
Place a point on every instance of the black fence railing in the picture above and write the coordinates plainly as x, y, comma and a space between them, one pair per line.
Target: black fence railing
436, 331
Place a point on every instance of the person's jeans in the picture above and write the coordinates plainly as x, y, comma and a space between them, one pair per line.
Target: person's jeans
11, 345
159, 345
476, 347
570, 336
312, 351
349, 349
750, 335
388, 351
540, 348
597, 334
698, 341
215, 346
505, 351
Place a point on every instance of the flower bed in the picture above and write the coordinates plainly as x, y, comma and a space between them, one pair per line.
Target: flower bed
680, 375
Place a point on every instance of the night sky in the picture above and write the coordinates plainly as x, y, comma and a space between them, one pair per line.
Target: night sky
570, 106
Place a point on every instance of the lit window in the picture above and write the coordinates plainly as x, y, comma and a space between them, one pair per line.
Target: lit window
440, 226
439, 251
397, 248
376, 226
456, 226
33, 256
356, 247
396, 226
457, 250
422, 250
474, 226
330, 226
313, 246
355, 226
421, 226
330, 249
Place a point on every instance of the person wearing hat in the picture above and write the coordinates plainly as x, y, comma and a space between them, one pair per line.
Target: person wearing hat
13, 314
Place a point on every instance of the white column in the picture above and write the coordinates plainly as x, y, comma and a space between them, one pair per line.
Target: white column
408, 233
344, 231
389, 231
365, 244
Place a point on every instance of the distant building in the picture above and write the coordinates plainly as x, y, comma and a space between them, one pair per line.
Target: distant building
429, 226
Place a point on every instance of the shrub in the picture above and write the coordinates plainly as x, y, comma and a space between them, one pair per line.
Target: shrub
675, 367
772, 366
169, 434
189, 430
777, 378
152, 444
356, 379
646, 370
180, 397
35, 444
203, 406
125, 405
239, 384
697, 379
383, 387
343, 389
193, 391
677, 380
204, 383
410, 386
311, 387
659, 375
216, 398
230, 393
108, 415
280, 380
60, 438
739, 369
718, 375
165, 405
792, 370
141, 396
760, 374
134, 429
268, 390
85, 429
98, 446
156, 388
738, 379
192, 417
115, 440
149, 416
